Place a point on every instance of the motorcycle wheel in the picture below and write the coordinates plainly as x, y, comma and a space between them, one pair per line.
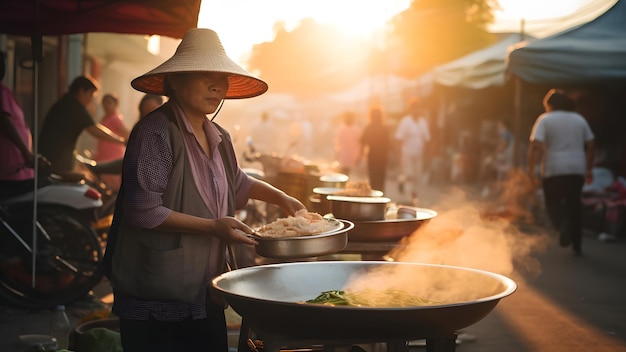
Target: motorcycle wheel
68, 254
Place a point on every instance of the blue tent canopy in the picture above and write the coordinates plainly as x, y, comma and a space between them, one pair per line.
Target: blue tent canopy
592, 52
480, 69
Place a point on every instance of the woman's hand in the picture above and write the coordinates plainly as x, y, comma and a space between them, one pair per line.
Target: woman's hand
290, 204
263, 191
231, 230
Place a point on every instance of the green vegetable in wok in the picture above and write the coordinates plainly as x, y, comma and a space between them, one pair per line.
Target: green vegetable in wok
335, 298
371, 298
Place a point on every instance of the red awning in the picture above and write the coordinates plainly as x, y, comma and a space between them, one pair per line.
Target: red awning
57, 17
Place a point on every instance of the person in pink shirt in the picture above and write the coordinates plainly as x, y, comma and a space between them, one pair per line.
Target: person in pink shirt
348, 144
16, 157
107, 151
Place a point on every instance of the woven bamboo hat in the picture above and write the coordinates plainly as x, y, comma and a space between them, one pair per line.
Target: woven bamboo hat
201, 51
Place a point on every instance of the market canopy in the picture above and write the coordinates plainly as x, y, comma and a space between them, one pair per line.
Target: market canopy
57, 17
592, 52
479, 69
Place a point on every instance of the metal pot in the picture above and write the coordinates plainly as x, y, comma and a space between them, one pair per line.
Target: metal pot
334, 180
305, 246
359, 208
269, 299
322, 204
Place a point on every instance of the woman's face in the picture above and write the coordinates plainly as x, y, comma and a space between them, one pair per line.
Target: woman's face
199, 93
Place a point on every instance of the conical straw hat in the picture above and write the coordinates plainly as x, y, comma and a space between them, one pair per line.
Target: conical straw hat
201, 51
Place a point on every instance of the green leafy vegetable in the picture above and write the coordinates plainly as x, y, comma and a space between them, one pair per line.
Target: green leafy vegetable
371, 298
336, 298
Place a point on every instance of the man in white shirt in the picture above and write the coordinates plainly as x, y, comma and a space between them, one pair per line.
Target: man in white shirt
563, 139
413, 133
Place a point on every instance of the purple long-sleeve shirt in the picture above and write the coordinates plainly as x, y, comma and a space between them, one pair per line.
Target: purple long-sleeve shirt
147, 166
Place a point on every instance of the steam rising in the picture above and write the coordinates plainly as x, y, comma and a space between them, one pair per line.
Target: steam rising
467, 234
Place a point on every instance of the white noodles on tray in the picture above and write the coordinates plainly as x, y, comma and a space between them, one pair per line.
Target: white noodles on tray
304, 223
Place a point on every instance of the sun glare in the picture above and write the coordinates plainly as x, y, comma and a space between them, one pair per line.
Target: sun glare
359, 18
242, 23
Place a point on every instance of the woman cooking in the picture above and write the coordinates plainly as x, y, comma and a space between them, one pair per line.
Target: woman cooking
180, 187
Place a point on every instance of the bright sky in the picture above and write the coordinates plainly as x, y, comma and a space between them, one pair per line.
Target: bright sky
242, 23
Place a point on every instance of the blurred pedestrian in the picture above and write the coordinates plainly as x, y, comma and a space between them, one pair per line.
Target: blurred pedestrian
375, 145
106, 150
17, 174
503, 158
149, 103
347, 143
413, 132
66, 120
175, 210
562, 139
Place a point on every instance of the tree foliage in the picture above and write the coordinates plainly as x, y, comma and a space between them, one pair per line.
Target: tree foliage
310, 59
433, 32
317, 58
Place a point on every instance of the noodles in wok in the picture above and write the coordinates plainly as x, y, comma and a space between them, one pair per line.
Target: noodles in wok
371, 298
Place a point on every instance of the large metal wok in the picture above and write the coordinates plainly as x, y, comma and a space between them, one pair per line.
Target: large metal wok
269, 299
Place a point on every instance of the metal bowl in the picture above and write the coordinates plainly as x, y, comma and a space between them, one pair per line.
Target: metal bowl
330, 242
358, 208
329, 191
320, 202
334, 180
398, 223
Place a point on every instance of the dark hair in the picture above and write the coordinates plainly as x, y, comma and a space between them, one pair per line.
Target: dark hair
147, 97
83, 83
376, 115
112, 97
348, 117
557, 100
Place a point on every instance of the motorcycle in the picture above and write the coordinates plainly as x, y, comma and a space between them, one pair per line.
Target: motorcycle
92, 174
61, 265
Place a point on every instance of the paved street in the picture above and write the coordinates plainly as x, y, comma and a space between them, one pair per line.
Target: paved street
576, 304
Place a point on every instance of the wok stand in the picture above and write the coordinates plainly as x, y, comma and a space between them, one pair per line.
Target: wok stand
446, 342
